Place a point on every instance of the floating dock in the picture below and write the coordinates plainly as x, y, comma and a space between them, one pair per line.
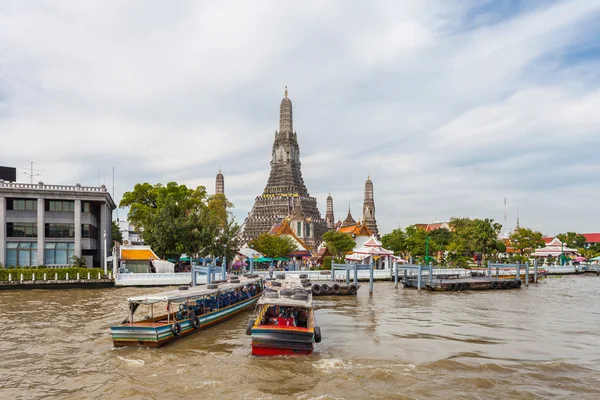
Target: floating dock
457, 285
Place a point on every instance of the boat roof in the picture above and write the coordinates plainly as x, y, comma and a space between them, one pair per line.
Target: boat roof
290, 283
192, 292
285, 301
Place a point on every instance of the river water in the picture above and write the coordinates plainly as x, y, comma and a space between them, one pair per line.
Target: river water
533, 343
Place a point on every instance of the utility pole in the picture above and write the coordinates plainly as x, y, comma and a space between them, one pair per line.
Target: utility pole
31, 174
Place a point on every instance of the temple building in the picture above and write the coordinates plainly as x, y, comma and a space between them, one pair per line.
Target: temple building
369, 208
284, 228
358, 230
220, 183
329, 218
285, 192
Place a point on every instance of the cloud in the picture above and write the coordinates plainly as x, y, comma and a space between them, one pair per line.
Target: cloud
450, 107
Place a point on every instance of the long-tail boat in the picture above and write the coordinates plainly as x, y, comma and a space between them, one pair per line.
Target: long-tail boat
285, 324
188, 310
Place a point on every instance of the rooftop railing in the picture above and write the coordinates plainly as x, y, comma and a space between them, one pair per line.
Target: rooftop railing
40, 185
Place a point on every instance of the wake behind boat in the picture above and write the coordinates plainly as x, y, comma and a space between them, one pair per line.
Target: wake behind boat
188, 311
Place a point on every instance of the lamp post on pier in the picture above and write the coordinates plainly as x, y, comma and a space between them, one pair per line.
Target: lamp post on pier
104, 255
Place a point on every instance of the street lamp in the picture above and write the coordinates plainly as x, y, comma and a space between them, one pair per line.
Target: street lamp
104, 255
224, 261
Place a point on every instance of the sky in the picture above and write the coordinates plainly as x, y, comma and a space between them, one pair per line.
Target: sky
449, 106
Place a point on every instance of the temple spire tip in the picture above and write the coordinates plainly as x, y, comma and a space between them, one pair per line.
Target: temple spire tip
286, 91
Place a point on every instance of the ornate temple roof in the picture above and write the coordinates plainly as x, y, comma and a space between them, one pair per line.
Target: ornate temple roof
349, 220
284, 228
358, 229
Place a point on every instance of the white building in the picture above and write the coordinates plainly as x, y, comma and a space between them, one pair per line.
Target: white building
48, 224
130, 236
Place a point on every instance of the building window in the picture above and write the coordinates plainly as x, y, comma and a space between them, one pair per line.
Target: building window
21, 254
58, 253
60, 230
58, 205
21, 229
307, 230
89, 231
85, 207
299, 228
21, 204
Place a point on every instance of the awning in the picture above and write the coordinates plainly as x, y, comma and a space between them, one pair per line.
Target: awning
138, 255
263, 259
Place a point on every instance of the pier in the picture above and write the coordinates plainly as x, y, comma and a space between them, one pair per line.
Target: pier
436, 280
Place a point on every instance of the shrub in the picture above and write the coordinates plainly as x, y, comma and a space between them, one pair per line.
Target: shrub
78, 262
327, 262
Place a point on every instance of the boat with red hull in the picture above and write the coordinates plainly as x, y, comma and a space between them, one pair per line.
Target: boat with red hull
285, 324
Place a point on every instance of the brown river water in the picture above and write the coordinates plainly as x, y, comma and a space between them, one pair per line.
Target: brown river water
534, 343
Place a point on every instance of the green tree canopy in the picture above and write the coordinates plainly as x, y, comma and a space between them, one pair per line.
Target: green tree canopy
474, 235
441, 238
572, 239
273, 245
526, 240
172, 219
227, 241
338, 243
416, 241
395, 241
116, 233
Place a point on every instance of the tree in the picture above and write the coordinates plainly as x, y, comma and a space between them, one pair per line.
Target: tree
441, 237
484, 234
273, 245
416, 241
338, 243
461, 242
572, 239
500, 246
227, 241
173, 218
116, 233
525, 240
219, 206
395, 241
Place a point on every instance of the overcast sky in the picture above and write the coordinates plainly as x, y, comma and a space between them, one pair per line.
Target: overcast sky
450, 106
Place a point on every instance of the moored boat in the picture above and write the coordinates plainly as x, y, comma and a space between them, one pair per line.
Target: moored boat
285, 324
188, 311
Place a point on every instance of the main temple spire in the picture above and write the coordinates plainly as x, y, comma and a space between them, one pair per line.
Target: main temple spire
286, 125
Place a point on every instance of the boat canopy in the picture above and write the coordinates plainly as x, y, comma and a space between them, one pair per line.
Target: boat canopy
192, 292
285, 301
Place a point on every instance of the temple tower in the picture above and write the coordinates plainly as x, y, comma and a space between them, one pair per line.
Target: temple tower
220, 183
369, 208
329, 218
285, 191
349, 220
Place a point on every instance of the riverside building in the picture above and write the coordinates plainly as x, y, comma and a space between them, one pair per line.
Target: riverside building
48, 224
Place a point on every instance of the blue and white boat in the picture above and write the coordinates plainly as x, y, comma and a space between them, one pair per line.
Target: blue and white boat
188, 310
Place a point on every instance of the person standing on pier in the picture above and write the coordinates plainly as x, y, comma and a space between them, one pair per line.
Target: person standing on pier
271, 269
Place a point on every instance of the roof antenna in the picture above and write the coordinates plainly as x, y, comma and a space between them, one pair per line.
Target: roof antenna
31, 174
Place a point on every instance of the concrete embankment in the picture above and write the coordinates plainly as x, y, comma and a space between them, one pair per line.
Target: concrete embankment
58, 284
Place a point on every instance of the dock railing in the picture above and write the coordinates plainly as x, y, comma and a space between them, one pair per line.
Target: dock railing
355, 268
517, 268
210, 271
